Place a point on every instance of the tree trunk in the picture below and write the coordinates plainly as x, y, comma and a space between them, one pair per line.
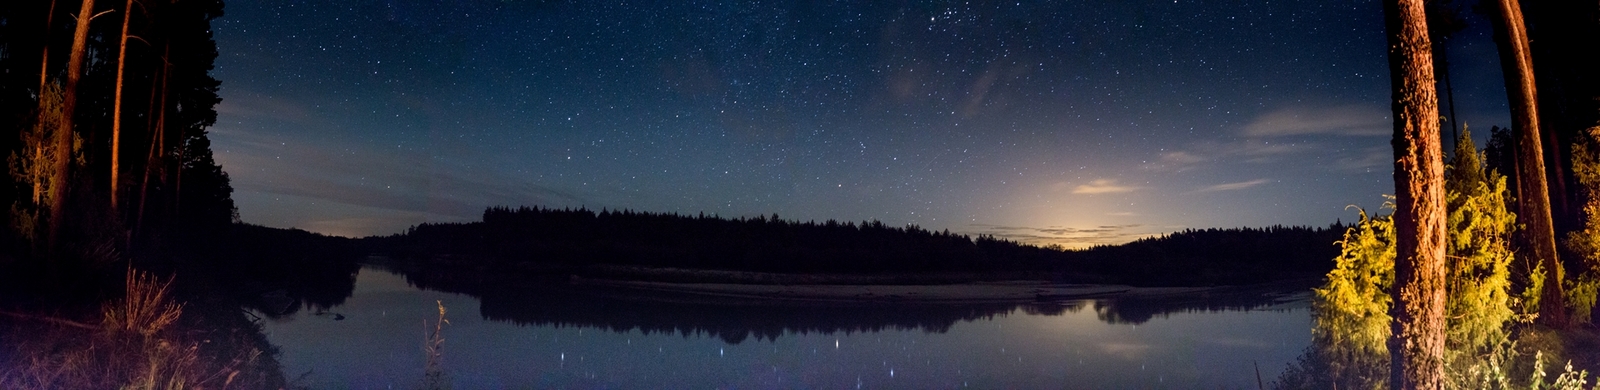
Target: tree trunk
1449, 97
1416, 345
44, 60
63, 141
1533, 195
116, 110
157, 137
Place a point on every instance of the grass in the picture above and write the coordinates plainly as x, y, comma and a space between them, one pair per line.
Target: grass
145, 308
433, 344
142, 340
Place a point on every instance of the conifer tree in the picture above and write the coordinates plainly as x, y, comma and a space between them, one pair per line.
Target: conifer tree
1533, 195
63, 133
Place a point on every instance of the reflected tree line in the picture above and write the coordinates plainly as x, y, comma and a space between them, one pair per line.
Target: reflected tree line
734, 320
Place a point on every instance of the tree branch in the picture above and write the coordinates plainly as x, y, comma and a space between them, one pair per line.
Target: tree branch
53, 320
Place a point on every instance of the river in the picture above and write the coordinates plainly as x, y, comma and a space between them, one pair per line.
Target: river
557, 337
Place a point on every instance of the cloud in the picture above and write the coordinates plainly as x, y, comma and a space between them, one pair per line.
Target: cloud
1234, 186
1070, 237
1201, 153
1342, 120
247, 104
1369, 158
1176, 161
390, 187
1102, 186
1262, 141
1181, 157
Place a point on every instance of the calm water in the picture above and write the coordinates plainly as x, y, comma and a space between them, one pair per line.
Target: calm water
559, 337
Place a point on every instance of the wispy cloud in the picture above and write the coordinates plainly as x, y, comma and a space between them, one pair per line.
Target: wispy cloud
394, 185
1369, 158
1177, 161
1102, 186
1234, 186
247, 104
1070, 237
1181, 157
1341, 120
1210, 152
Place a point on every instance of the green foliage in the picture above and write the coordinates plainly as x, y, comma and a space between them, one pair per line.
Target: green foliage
1529, 297
1352, 324
1585, 243
1479, 229
1581, 294
30, 166
1352, 310
1493, 371
33, 166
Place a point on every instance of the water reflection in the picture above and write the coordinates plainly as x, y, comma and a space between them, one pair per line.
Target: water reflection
1139, 309
554, 302
551, 335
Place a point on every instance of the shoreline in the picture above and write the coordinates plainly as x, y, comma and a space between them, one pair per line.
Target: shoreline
972, 292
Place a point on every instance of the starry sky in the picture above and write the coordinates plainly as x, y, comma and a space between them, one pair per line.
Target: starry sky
1049, 122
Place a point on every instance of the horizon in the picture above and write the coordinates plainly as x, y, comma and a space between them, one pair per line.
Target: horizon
1156, 235
1042, 123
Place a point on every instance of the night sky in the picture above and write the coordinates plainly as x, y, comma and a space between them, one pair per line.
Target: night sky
1063, 122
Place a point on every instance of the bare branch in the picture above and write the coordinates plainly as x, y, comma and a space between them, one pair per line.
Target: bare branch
53, 320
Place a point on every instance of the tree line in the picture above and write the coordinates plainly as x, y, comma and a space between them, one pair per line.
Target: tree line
560, 240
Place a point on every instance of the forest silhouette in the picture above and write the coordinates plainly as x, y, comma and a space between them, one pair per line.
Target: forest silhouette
548, 241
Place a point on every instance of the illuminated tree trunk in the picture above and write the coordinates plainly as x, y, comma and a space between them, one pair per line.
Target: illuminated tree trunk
1533, 200
69, 103
116, 110
44, 60
1416, 343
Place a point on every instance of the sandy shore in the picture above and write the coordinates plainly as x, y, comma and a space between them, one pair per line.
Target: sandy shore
1021, 291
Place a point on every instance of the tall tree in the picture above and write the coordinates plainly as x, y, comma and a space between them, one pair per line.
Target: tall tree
116, 110
44, 58
63, 135
1417, 342
1533, 196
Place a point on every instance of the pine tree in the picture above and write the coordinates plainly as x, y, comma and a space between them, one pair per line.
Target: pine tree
1533, 195
1417, 345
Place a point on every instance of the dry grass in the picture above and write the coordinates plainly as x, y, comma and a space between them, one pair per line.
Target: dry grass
145, 309
433, 344
135, 346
